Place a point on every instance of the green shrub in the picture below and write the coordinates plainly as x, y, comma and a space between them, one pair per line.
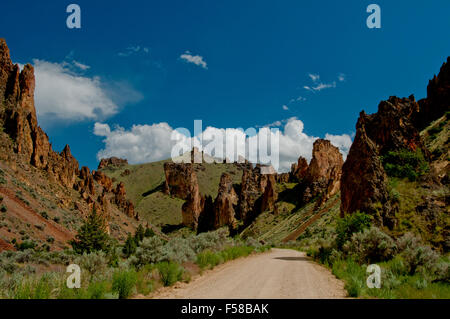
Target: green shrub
130, 246
3, 209
349, 225
149, 232
169, 272
208, 259
44, 215
25, 245
97, 290
405, 163
370, 246
417, 257
94, 263
148, 252
124, 282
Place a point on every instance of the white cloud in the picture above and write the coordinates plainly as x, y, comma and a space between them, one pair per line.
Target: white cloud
195, 59
81, 66
133, 50
298, 99
341, 77
314, 77
285, 108
63, 94
343, 142
148, 143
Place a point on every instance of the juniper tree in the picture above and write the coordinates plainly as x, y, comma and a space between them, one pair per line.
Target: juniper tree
92, 235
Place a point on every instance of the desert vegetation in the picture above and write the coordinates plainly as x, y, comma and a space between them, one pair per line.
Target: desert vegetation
141, 265
409, 267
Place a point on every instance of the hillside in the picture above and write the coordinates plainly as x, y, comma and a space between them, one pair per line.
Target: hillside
44, 195
144, 184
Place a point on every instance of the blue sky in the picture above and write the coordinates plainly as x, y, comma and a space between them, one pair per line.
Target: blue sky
256, 57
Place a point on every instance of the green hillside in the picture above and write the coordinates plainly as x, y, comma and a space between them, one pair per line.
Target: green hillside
144, 184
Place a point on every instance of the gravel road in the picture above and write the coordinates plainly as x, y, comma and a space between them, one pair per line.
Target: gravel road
279, 273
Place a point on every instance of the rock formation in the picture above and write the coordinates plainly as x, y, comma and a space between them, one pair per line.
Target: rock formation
323, 174
438, 97
298, 170
258, 193
122, 202
283, 178
103, 180
225, 203
18, 117
180, 179
112, 161
394, 127
187, 186
364, 181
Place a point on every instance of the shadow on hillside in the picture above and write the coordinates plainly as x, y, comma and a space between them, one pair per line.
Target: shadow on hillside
291, 195
293, 258
166, 229
158, 188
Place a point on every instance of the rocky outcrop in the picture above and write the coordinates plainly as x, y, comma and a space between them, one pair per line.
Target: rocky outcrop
394, 127
364, 181
283, 177
112, 162
270, 194
322, 178
103, 180
195, 202
31, 144
122, 202
438, 97
180, 179
225, 203
299, 169
258, 193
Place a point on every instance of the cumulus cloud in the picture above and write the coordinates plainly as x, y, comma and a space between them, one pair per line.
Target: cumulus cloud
195, 59
285, 107
147, 143
341, 77
64, 94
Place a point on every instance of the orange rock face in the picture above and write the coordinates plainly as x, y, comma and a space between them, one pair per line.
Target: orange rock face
258, 193
323, 175
103, 180
180, 179
225, 203
187, 185
298, 171
18, 117
122, 202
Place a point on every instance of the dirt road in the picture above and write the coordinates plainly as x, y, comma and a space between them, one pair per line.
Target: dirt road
280, 273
